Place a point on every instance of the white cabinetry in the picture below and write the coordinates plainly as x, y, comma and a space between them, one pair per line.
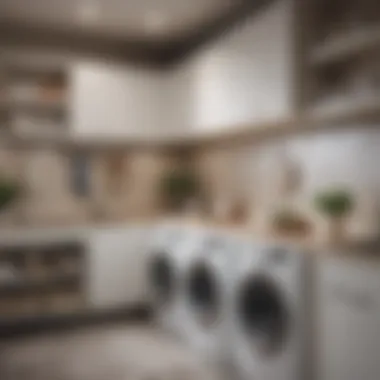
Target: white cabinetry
349, 319
114, 101
116, 267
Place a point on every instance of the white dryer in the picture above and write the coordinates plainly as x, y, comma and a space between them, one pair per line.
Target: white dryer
206, 284
269, 315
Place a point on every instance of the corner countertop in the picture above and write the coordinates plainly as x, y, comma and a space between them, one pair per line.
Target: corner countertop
368, 249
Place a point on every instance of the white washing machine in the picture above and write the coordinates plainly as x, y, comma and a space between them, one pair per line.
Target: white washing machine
205, 288
163, 274
269, 315
169, 256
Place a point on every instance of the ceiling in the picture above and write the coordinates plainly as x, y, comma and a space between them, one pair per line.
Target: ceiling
145, 29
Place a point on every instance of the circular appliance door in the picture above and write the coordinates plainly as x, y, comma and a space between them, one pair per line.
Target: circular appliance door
203, 293
262, 314
161, 277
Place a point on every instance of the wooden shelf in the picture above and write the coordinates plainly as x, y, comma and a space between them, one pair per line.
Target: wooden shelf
345, 109
35, 106
54, 284
33, 99
313, 119
346, 45
43, 277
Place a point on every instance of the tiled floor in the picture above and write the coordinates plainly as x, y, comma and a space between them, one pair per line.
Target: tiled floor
101, 353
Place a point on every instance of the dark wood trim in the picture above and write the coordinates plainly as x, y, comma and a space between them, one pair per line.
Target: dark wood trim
302, 38
78, 42
216, 29
131, 49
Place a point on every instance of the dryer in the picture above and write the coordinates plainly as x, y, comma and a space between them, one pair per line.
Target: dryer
206, 284
269, 314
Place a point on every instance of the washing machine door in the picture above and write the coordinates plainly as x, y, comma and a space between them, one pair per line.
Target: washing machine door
161, 277
203, 293
261, 315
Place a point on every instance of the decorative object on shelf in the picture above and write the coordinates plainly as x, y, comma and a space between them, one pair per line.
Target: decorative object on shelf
10, 191
52, 88
221, 208
239, 212
178, 187
336, 204
290, 223
115, 172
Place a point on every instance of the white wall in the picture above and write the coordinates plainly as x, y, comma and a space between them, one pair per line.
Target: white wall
245, 76
337, 158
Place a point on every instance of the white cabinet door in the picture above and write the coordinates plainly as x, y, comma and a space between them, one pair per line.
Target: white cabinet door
115, 101
116, 274
349, 320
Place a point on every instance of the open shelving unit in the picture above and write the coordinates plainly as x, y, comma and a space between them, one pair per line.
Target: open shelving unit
33, 99
343, 58
345, 45
41, 279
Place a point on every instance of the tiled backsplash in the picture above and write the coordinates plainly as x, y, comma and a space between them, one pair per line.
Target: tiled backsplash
257, 172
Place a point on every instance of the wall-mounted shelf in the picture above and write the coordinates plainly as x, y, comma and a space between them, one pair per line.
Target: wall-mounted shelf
341, 60
35, 106
345, 45
33, 99
344, 108
32, 287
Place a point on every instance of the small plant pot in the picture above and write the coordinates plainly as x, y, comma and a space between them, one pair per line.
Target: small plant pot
292, 233
290, 224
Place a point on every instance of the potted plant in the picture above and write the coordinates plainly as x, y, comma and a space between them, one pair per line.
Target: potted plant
178, 187
288, 222
9, 192
335, 204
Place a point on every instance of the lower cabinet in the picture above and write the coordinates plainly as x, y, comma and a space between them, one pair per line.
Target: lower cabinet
348, 319
116, 267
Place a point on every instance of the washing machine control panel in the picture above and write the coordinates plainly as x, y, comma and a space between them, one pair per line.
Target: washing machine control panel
277, 255
213, 243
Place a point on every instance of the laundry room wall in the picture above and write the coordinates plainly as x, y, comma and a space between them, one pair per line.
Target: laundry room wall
338, 158
120, 186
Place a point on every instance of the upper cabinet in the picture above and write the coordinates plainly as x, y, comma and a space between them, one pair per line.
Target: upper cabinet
244, 77
115, 101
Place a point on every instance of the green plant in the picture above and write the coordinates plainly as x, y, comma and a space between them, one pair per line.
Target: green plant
9, 192
335, 203
178, 186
